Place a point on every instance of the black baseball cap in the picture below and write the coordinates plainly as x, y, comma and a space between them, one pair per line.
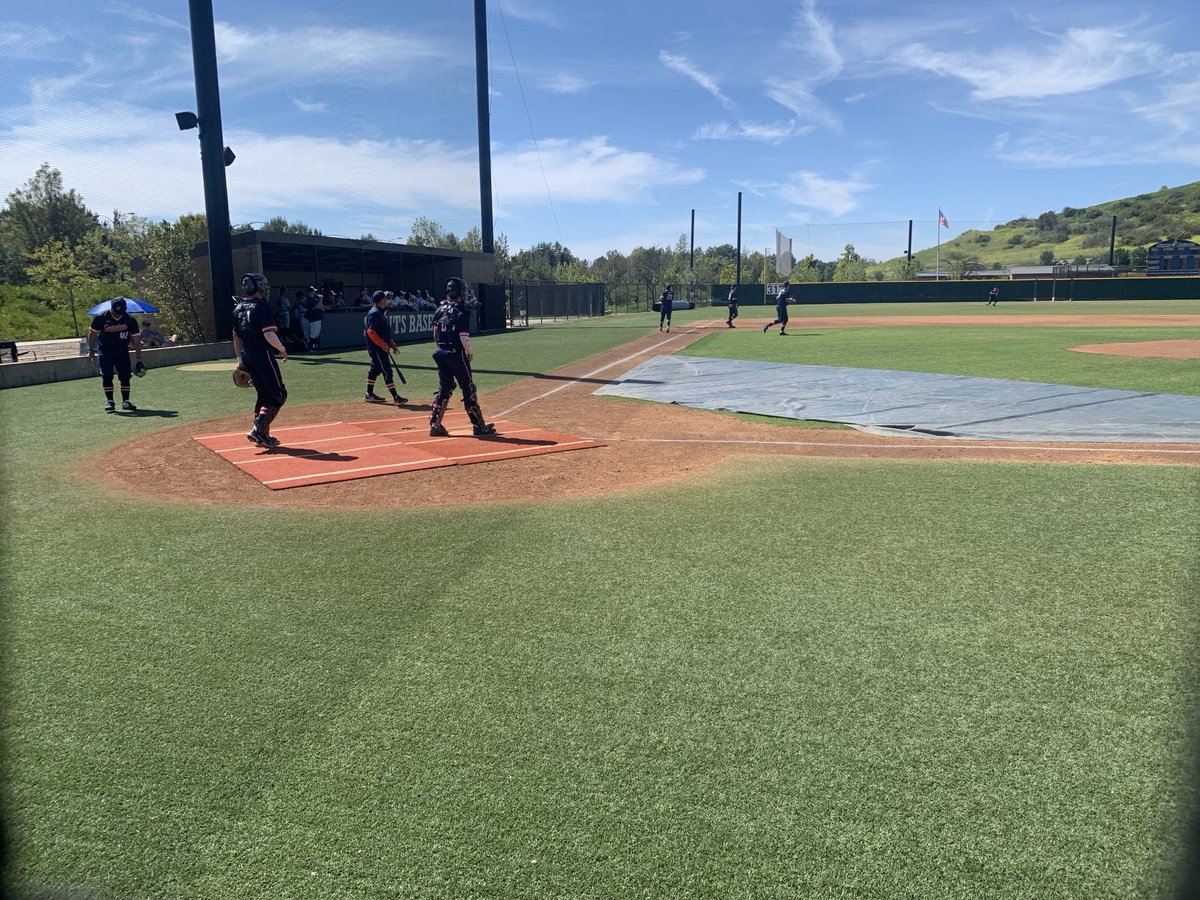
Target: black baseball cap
378, 295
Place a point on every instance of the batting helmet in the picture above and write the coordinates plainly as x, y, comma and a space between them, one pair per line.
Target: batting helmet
253, 283
456, 289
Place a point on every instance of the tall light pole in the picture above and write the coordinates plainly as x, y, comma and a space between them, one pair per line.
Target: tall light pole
485, 128
214, 157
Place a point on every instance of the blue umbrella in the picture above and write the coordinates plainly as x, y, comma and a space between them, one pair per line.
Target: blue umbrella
131, 306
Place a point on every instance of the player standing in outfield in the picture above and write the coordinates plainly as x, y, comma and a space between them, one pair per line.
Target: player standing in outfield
452, 335
993, 296
116, 331
666, 305
733, 306
256, 342
781, 313
379, 345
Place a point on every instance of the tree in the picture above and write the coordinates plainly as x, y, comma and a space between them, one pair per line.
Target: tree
906, 269
428, 233
648, 266
960, 264
850, 266
542, 262
472, 241
502, 256
41, 212
171, 281
1047, 258
66, 268
283, 226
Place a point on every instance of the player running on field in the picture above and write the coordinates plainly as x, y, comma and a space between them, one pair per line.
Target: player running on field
733, 306
452, 335
256, 342
666, 307
379, 345
115, 331
781, 312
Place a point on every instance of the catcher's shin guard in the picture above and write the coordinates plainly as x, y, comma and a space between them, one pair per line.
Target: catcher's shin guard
475, 414
439, 409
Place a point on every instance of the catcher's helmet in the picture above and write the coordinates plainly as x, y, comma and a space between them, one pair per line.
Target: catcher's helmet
253, 283
118, 305
456, 289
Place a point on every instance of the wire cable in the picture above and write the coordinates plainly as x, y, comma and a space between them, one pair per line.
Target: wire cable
529, 118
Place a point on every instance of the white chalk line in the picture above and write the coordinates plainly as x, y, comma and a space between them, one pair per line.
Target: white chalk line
577, 379
921, 446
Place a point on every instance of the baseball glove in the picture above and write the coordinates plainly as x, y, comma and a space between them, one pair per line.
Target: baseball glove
140, 370
241, 377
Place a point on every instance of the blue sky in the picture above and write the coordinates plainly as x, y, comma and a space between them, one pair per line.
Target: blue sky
611, 122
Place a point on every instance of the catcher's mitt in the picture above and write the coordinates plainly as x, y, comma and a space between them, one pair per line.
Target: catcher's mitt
241, 377
140, 370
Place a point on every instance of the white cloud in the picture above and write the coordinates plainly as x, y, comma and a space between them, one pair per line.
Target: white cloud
835, 196
770, 133
307, 106
1082, 60
565, 83
531, 12
687, 68
130, 162
814, 37
145, 16
336, 55
793, 96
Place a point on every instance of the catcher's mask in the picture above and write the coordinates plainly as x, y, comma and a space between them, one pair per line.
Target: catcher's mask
253, 283
456, 289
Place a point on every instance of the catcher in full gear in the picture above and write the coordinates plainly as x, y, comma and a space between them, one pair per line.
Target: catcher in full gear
451, 333
254, 339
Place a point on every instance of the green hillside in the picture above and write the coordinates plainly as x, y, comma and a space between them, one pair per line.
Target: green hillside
1078, 235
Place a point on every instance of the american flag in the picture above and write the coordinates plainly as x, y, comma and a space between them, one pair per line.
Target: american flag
942, 220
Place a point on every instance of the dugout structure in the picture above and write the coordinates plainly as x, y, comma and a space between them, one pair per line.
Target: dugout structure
344, 265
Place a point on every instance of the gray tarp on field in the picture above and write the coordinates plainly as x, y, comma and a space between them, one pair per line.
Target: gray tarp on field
915, 403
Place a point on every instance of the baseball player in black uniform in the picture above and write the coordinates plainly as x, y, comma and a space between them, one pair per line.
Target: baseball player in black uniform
781, 313
452, 334
733, 306
379, 345
254, 339
115, 331
666, 307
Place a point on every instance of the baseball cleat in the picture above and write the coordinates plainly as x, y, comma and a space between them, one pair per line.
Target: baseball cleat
766, 328
125, 404
373, 398
399, 401
483, 430
254, 436
110, 406
438, 431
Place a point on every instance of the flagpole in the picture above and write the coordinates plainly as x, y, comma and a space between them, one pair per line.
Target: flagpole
938, 264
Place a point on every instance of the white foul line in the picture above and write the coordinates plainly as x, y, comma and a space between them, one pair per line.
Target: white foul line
1016, 445
579, 378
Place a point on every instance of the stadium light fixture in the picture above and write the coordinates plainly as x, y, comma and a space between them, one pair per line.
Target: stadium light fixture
187, 120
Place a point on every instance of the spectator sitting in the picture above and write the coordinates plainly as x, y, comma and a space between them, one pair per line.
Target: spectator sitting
151, 337
425, 300
406, 301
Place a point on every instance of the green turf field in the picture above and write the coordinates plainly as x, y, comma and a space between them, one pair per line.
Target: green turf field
787, 678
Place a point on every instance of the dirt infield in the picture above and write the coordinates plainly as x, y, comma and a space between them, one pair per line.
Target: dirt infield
647, 443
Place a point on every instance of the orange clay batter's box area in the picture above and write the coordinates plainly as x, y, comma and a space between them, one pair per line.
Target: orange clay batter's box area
343, 451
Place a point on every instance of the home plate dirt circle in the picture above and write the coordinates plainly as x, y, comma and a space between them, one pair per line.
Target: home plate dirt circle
647, 446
